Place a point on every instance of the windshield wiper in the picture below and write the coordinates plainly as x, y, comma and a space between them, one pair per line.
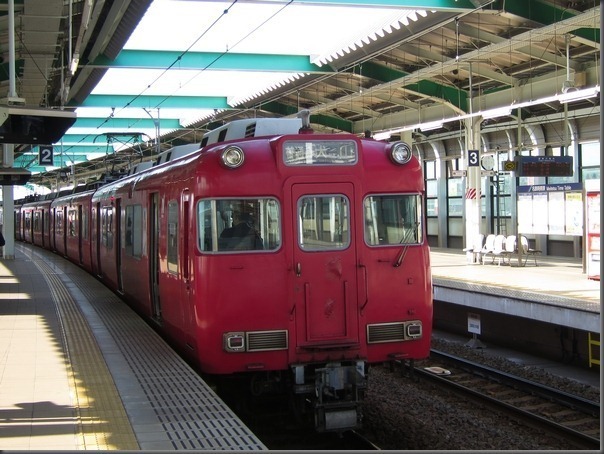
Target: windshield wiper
408, 235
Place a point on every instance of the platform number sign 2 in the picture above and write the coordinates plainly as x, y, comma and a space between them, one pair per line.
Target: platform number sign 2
473, 158
45, 156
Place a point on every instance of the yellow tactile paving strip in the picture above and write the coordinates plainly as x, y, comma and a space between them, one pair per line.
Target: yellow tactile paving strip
56, 392
102, 420
73, 317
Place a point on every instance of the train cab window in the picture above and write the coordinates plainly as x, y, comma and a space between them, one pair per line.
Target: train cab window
393, 219
238, 225
323, 222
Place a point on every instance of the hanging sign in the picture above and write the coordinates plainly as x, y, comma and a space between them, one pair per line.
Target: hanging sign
46, 155
473, 160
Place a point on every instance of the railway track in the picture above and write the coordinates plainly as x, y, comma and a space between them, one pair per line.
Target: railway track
573, 417
274, 422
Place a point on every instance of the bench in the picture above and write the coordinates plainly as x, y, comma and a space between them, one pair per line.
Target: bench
497, 250
528, 251
476, 248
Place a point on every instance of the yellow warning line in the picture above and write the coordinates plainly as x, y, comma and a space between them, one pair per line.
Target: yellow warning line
102, 420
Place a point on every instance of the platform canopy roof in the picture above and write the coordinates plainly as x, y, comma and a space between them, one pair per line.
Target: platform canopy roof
145, 75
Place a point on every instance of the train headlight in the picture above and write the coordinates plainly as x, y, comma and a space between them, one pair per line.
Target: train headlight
232, 157
400, 153
414, 330
233, 342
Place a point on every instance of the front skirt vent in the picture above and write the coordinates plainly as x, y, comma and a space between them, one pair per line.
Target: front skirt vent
394, 332
258, 341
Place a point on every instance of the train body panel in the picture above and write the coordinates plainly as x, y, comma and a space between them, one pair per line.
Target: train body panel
299, 257
71, 227
34, 223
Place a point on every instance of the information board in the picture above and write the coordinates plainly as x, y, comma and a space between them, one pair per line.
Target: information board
551, 209
544, 166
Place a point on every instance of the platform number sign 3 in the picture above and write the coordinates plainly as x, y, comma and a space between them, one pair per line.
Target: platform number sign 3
473, 158
45, 156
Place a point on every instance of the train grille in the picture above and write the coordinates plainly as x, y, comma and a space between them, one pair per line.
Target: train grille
258, 341
250, 130
385, 332
393, 332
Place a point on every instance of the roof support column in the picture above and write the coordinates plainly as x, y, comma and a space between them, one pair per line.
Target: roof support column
8, 150
472, 200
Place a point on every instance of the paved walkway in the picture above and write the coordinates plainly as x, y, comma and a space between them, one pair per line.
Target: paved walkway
552, 276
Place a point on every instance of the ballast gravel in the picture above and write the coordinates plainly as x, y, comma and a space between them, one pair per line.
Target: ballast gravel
401, 414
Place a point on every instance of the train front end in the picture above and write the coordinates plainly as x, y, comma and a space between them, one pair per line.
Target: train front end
334, 278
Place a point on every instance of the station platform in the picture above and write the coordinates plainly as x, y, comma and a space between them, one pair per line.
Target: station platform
79, 370
552, 290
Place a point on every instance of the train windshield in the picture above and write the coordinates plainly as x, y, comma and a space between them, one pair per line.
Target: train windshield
324, 222
227, 225
393, 219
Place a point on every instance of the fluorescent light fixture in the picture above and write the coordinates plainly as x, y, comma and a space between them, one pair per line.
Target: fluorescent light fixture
431, 125
382, 135
75, 61
496, 113
576, 95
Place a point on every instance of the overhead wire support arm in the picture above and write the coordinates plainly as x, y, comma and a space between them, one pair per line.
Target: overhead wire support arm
129, 141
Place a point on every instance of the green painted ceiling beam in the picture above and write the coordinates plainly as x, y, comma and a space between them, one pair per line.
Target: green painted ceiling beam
67, 159
153, 102
547, 14
28, 161
93, 140
408, 4
134, 124
155, 59
80, 149
451, 95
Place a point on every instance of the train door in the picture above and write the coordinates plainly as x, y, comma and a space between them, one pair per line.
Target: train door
64, 225
187, 231
325, 261
79, 233
98, 239
154, 255
45, 228
52, 224
118, 244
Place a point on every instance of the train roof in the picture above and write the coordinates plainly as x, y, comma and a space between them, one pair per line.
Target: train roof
253, 127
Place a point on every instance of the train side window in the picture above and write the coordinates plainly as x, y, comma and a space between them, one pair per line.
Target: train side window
393, 219
323, 222
172, 239
72, 215
59, 222
37, 222
106, 227
134, 230
240, 225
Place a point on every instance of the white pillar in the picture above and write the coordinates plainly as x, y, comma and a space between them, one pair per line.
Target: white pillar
8, 207
472, 198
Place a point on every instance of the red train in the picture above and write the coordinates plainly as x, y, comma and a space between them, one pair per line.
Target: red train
297, 258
